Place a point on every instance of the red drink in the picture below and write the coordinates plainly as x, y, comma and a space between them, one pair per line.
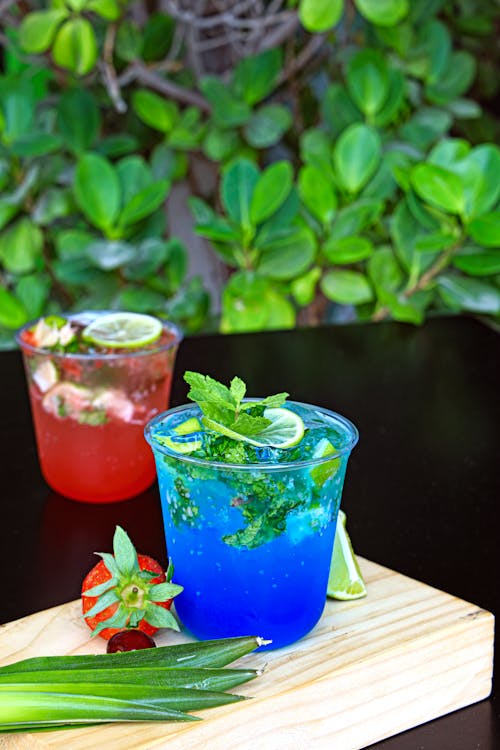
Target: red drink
89, 411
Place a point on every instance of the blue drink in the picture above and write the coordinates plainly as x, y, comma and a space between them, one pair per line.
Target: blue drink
251, 539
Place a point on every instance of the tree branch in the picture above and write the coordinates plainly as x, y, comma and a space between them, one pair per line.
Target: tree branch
109, 72
303, 58
5, 5
138, 71
422, 283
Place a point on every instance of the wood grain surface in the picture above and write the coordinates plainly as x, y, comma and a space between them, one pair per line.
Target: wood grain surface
371, 668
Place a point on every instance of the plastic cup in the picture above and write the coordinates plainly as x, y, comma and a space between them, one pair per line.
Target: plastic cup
252, 543
89, 413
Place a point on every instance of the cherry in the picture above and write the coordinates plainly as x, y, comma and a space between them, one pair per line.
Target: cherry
129, 640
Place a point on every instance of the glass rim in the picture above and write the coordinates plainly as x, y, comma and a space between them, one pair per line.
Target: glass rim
267, 465
118, 354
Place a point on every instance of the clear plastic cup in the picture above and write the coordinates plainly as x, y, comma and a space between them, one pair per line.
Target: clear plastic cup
252, 543
89, 412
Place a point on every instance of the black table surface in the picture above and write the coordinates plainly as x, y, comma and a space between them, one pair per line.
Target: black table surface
420, 495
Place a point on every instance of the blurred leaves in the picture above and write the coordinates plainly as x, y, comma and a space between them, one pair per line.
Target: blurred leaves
350, 165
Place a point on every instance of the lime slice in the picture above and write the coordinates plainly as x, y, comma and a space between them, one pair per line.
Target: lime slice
327, 469
123, 330
345, 580
188, 426
286, 430
188, 445
187, 431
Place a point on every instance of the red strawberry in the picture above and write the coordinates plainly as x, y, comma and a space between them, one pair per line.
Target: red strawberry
28, 336
127, 590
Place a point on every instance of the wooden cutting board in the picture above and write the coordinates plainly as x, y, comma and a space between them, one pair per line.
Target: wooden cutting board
372, 668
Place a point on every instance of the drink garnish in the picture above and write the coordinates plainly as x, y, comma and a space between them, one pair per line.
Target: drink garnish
345, 581
123, 330
51, 332
261, 423
327, 469
186, 438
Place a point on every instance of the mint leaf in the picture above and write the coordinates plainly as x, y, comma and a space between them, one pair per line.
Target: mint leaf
217, 412
205, 389
93, 418
222, 406
226, 450
272, 402
248, 425
238, 390
265, 518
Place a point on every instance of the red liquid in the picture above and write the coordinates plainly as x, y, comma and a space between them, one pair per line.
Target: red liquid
98, 463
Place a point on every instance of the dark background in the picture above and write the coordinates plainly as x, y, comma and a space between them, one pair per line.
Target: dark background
421, 491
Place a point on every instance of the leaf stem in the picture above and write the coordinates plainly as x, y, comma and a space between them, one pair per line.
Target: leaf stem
423, 282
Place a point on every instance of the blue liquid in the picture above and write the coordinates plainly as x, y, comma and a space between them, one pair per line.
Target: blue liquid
269, 583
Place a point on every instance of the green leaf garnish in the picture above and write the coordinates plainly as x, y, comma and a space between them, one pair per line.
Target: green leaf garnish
224, 406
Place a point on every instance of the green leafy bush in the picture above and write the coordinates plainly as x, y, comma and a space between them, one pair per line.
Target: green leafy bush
345, 172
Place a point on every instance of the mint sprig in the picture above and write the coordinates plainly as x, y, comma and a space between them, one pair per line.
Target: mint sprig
224, 406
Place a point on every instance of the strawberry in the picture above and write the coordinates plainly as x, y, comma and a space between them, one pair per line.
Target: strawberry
127, 590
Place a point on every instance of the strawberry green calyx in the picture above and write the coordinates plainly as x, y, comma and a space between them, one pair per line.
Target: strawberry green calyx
133, 593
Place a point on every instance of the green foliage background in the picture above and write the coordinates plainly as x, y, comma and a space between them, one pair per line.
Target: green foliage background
357, 171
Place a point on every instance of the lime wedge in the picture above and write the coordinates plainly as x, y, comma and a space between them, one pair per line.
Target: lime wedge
187, 431
345, 580
326, 469
123, 330
286, 430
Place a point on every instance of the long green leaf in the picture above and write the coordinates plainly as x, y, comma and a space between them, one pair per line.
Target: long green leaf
179, 699
22, 707
212, 653
203, 678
